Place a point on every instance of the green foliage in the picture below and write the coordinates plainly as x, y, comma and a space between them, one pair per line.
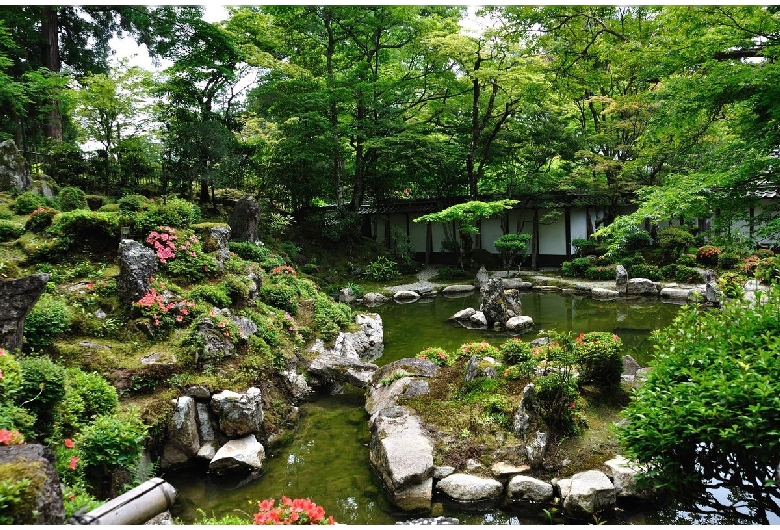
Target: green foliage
731, 284
480, 349
11, 381
467, 214
634, 239
10, 231
513, 248
382, 269
673, 241
331, 317
711, 399
87, 395
584, 247
14, 417
451, 273
47, 319
29, 201
111, 441
173, 212
555, 400
515, 351
43, 387
215, 295
280, 295
40, 219
98, 230
340, 224
436, 355
602, 272
71, 198
599, 358
727, 260
651, 272
689, 260
681, 273
576, 268
21, 482
133, 203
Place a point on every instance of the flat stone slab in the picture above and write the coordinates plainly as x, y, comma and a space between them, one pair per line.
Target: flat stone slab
406, 296
517, 283
587, 493
600, 292
458, 289
675, 293
400, 450
544, 288
525, 491
505, 471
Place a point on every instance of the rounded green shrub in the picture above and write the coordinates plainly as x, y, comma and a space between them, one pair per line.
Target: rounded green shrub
281, 296
651, 272
10, 231
133, 203
576, 268
728, 260
43, 387
708, 254
215, 295
382, 269
515, 351
71, 198
436, 355
110, 442
331, 317
11, 382
674, 241
87, 395
602, 272
29, 201
555, 400
47, 319
599, 358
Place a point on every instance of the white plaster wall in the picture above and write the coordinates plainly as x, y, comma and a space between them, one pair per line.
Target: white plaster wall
491, 230
552, 237
417, 234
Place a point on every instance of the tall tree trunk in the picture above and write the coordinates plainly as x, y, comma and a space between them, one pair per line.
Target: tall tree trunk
50, 54
338, 163
360, 159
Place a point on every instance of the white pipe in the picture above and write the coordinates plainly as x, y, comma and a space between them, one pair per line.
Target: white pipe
137, 506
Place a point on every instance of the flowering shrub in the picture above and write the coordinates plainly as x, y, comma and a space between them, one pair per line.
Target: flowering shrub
437, 356
291, 511
181, 253
708, 254
480, 349
749, 264
40, 219
161, 310
11, 437
599, 358
284, 270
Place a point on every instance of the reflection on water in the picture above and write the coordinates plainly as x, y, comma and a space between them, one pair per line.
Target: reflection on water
327, 457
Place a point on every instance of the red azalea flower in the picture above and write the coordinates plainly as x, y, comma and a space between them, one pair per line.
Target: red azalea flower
73, 461
69, 443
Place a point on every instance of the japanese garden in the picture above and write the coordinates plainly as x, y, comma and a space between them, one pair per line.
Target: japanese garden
390, 265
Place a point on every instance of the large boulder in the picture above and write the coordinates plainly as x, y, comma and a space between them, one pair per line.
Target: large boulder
412, 366
214, 239
586, 494
621, 277
519, 324
244, 219
238, 414
481, 367
523, 491
242, 455
17, 297
366, 344
642, 286
183, 436
334, 369
213, 345
137, 265
400, 450
43, 497
498, 305
14, 173
624, 477
470, 489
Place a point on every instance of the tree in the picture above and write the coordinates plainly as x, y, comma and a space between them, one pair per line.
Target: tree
463, 219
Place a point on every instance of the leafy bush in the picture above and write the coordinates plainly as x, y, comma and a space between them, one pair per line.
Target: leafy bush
340, 224
20, 484
689, 260
215, 295
87, 394
480, 349
47, 319
603, 272
681, 273
576, 268
11, 382
515, 351
764, 253
436, 355
635, 239
181, 253
281, 296
29, 201
43, 387
331, 317
381, 269
583, 247
599, 358
451, 273
555, 400
731, 284
709, 400
708, 254
133, 203
71, 198
767, 269
673, 241
99, 230
176, 213
728, 260
110, 442
651, 272
10, 231
40, 219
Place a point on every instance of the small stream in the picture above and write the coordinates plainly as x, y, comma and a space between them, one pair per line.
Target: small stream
326, 458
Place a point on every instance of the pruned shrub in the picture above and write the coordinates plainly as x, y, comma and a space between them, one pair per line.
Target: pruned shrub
280, 296
576, 268
598, 356
436, 355
651, 272
728, 260
47, 319
71, 198
515, 351
43, 387
87, 395
95, 230
602, 272
708, 254
29, 201
176, 213
10, 231
555, 401
331, 317
681, 273
40, 219
674, 241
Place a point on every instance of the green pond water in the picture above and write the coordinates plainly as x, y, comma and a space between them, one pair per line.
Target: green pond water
326, 458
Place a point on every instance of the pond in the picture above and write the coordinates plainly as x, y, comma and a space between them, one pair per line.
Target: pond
326, 458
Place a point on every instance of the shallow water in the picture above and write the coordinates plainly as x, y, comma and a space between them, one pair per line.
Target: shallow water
327, 457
